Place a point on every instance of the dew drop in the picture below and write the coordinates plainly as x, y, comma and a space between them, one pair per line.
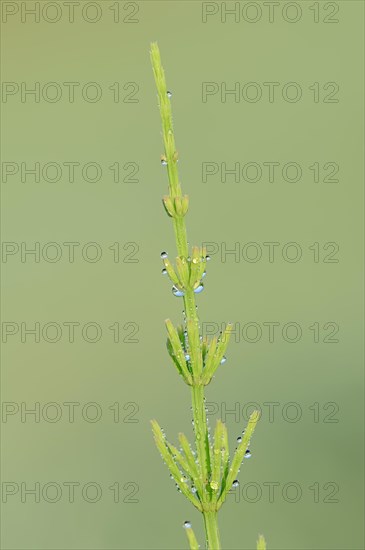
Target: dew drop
214, 485
187, 524
239, 439
193, 489
164, 272
223, 360
169, 94
187, 357
248, 454
163, 255
204, 274
177, 292
208, 258
199, 288
164, 162
235, 483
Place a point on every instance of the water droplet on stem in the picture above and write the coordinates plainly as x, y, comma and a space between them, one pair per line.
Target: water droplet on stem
177, 292
199, 289
187, 524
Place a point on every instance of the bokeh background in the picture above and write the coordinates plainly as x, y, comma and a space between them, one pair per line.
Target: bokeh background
115, 373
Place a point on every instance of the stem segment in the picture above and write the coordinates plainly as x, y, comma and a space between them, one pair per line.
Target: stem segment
181, 238
201, 436
211, 530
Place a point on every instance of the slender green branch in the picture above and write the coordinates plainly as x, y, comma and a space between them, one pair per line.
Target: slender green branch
261, 543
193, 543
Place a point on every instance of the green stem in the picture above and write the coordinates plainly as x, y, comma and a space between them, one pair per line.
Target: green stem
181, 237
197, 389
201, 436
211, 530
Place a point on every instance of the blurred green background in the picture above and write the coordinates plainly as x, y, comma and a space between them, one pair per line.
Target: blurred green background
123, 497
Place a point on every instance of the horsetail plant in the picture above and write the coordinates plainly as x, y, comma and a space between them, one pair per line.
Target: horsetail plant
204, 476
